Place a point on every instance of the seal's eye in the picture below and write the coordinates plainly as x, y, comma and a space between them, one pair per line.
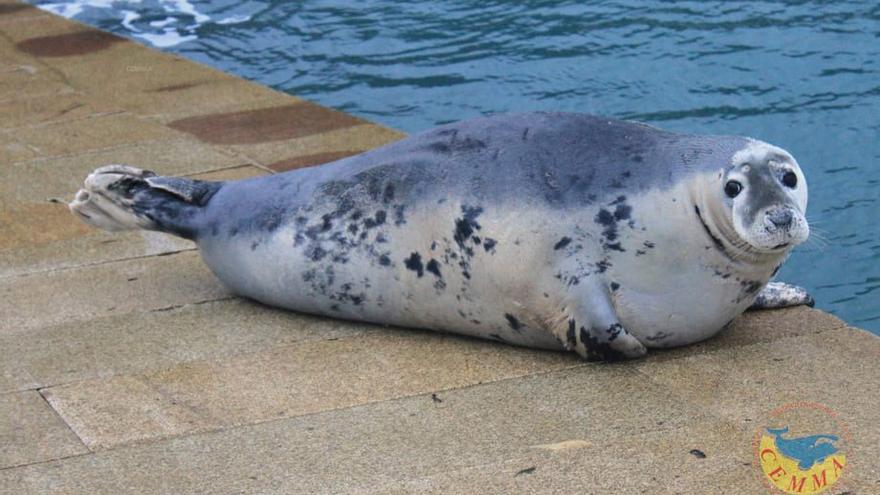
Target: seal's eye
732, 188
790, 179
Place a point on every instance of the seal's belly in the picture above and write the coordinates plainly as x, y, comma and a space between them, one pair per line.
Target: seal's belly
448, 268
681, 305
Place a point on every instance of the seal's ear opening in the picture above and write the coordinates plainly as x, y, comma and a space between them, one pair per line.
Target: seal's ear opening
119, 197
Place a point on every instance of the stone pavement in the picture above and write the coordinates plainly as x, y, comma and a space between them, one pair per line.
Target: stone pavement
125, 367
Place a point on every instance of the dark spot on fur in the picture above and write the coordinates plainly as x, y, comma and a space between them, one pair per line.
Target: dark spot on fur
467, 225
388, 195
570, 335
622, 212
605, 217
489, 244
399, 218
414, 263
614, 286
326, 223
750, 287
614, 331
565, 241
317, 253
512, 322
378, 219
434, 267
598, 351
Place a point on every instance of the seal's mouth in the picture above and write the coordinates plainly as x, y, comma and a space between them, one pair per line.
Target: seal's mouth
780, 246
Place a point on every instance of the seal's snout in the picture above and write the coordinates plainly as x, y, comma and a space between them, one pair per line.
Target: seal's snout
782, 227
778, 219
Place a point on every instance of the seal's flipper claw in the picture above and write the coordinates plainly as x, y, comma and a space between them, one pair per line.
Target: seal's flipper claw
595, 333
612, 343
119, 197
782, 295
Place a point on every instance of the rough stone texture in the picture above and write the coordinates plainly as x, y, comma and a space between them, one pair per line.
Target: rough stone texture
50, 109
100, 132
30, 431
140, 342
181, 388
84, 293
294, 380
348, 449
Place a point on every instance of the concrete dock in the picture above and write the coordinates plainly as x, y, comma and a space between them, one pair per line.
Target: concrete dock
125, 367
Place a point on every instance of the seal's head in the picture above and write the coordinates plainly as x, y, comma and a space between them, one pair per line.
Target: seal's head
766, 193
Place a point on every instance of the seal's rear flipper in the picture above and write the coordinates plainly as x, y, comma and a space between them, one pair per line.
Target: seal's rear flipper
118, 197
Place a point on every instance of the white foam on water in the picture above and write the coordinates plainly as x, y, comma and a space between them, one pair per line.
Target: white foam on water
168, 37
129, 18
164, 22
235, 19
181, 24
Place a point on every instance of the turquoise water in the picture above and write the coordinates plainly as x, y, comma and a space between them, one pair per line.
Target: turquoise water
802, 75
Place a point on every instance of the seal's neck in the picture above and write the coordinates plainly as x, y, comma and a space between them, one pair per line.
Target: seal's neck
718, 228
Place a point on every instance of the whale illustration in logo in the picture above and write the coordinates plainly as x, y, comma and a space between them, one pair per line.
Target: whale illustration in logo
807, 450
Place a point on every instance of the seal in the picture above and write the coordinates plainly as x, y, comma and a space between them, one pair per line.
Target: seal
548, 230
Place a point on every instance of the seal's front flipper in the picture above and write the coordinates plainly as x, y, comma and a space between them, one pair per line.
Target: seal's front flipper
594, 332
782, 295
118, 197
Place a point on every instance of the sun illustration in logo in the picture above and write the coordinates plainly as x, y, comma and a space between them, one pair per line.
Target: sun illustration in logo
801, 450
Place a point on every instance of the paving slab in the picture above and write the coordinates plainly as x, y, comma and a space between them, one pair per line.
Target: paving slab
151, 341
30, 431
13, 150
107, 131
48, 109
837, 368
292, 380
762, 326
700, 458
127, 74
13, 11
825, 366
84, 293
22, 76
352, 449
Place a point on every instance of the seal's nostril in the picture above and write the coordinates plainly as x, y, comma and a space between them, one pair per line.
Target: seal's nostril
780, 218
